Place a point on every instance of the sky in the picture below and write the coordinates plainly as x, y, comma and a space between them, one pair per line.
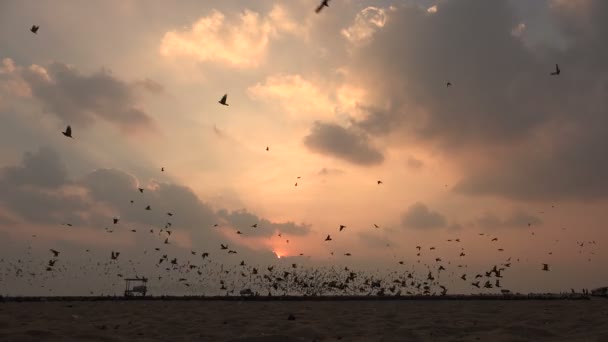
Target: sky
321, 107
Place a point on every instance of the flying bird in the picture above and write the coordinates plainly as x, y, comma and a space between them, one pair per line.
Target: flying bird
68, 132
34, 29
115, 220
545, 267
55, 253
324, 3
448, 84
328, 238
223, 100
379, 182
141, 190
267, 149
557, 71
148, 208
342, 227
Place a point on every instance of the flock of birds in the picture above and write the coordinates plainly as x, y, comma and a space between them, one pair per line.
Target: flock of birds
201, 273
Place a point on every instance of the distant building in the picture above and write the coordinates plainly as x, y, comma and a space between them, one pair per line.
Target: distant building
600, 291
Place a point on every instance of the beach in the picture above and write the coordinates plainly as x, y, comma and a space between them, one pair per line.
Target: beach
353, 320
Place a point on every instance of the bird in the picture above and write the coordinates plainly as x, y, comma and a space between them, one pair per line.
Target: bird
148, 208
223, 246
68, 132
324, 3
379, 182
223, 100
170, 214
55, 253
328, 238
267, 148
342, 227
115, 220
141, 190
35, 29
448, 84
239, 232
557, 71
545, 267
291, 317
115, 255
162, 169
255, 225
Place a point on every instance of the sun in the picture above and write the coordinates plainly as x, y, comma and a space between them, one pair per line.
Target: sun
279, 254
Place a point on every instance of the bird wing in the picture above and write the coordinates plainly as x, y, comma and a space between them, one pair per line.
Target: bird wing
319, 8
224, 98
68, 130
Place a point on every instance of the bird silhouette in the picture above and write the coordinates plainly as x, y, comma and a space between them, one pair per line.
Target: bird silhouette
328, 238
115, 220
557, 71
545, 267
267, 148
223, 100
55, 253
141, 190
379, 182
324, 3
448, 84
68, 132
35, 29
342, 227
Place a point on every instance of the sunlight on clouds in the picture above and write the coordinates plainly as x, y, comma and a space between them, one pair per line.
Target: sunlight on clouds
301, 98
241, 43
518, 30
366, 23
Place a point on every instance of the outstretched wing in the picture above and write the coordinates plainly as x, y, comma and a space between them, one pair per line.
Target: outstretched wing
68, 130
224, 98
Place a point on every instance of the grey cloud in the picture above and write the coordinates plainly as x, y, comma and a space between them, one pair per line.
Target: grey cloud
419, 216
375, 240
517, 219
342, 143
502, 96
243, 220
82, 99
329, 171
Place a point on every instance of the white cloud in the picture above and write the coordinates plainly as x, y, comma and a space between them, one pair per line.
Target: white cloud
239, 42
365, 25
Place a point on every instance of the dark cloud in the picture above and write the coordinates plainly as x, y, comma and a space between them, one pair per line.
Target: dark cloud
517, 219
534, 136
419, 216
37, 191
334, 140
243, 220
80, 99
32, 189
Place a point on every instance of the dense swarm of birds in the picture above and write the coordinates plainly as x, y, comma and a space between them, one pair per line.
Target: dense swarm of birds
199, 273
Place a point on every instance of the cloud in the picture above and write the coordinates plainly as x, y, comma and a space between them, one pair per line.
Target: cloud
419, 216
240, 42
366, 23
80, 99
545, 129
39, 191
243, 220
346, 144
374, 240
517, 219
300, 97
329, 171
414, 163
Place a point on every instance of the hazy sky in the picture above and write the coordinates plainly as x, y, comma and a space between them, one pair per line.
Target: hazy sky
343, 98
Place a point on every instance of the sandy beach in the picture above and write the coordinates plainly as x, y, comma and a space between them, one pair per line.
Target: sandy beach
198, 320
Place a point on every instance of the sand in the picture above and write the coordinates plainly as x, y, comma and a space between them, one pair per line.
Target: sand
413, 320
